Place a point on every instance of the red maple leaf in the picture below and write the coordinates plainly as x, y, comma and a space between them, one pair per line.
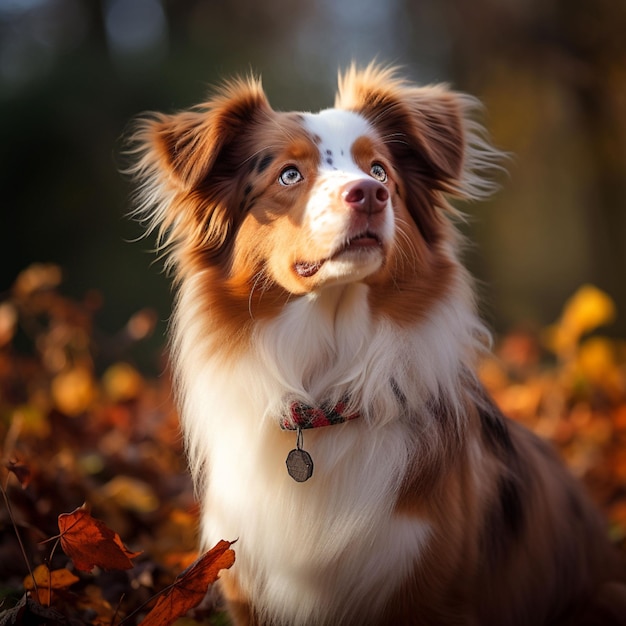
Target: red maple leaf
90, 542
190, 586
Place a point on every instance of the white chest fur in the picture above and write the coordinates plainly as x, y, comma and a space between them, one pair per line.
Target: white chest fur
299, 543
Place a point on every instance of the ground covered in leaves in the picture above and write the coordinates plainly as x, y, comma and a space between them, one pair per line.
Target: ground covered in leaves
97, 518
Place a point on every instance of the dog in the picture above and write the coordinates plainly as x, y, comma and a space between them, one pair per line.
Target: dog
324, 343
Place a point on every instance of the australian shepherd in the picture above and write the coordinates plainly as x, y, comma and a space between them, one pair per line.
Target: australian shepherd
324, 344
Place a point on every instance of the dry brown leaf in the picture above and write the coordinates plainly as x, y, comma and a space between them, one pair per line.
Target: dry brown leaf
90, 543
190, 586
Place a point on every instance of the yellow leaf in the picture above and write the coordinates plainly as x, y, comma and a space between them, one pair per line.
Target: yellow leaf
73, 391
587, 309
43, 581
57, 579
597, 363
596, 358
122, 382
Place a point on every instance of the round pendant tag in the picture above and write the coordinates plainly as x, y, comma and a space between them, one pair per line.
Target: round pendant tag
299, 465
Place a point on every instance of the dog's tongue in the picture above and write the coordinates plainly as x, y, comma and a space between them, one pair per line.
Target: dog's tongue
306, 270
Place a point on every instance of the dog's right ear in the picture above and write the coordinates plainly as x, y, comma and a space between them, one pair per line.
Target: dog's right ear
187, 145
186, 165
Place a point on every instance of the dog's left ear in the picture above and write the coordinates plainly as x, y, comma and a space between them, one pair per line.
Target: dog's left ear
422, 126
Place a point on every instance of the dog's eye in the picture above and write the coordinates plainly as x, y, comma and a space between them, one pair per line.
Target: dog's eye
290, 176
378, 172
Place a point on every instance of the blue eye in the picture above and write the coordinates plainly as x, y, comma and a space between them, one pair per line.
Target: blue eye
378, 172
290, 176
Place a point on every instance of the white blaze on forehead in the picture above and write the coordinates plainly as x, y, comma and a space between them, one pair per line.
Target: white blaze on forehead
328, 222
337, 130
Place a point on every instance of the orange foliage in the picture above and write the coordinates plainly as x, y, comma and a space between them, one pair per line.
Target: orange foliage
579, 402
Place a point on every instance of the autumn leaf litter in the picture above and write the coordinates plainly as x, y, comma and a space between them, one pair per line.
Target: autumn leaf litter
93, 475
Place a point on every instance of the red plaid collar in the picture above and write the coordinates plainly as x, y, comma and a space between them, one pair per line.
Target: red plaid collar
303, 416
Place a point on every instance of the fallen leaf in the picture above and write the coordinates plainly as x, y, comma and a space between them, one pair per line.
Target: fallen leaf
73, 391
90, 543
190, 586
587, 309
43, 582
122, 382
597, 363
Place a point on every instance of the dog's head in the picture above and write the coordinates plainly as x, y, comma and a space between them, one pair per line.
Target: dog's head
292, 203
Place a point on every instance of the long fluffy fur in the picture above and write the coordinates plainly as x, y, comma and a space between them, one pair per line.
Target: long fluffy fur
431, 508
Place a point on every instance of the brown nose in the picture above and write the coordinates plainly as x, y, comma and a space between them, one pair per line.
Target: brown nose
365, 196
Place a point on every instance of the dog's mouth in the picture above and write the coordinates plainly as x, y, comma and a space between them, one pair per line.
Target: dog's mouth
360, 244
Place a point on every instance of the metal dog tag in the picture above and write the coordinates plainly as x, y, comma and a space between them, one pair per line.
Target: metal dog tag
299, 465
299, 462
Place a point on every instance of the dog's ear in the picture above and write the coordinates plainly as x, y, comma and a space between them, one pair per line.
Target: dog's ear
186, 164
190, 144
437, 126
435, 144
424, 124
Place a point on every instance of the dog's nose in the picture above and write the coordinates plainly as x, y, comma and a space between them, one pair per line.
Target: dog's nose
365, 196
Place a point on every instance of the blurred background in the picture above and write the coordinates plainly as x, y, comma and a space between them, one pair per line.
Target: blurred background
552, 74
85, 408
